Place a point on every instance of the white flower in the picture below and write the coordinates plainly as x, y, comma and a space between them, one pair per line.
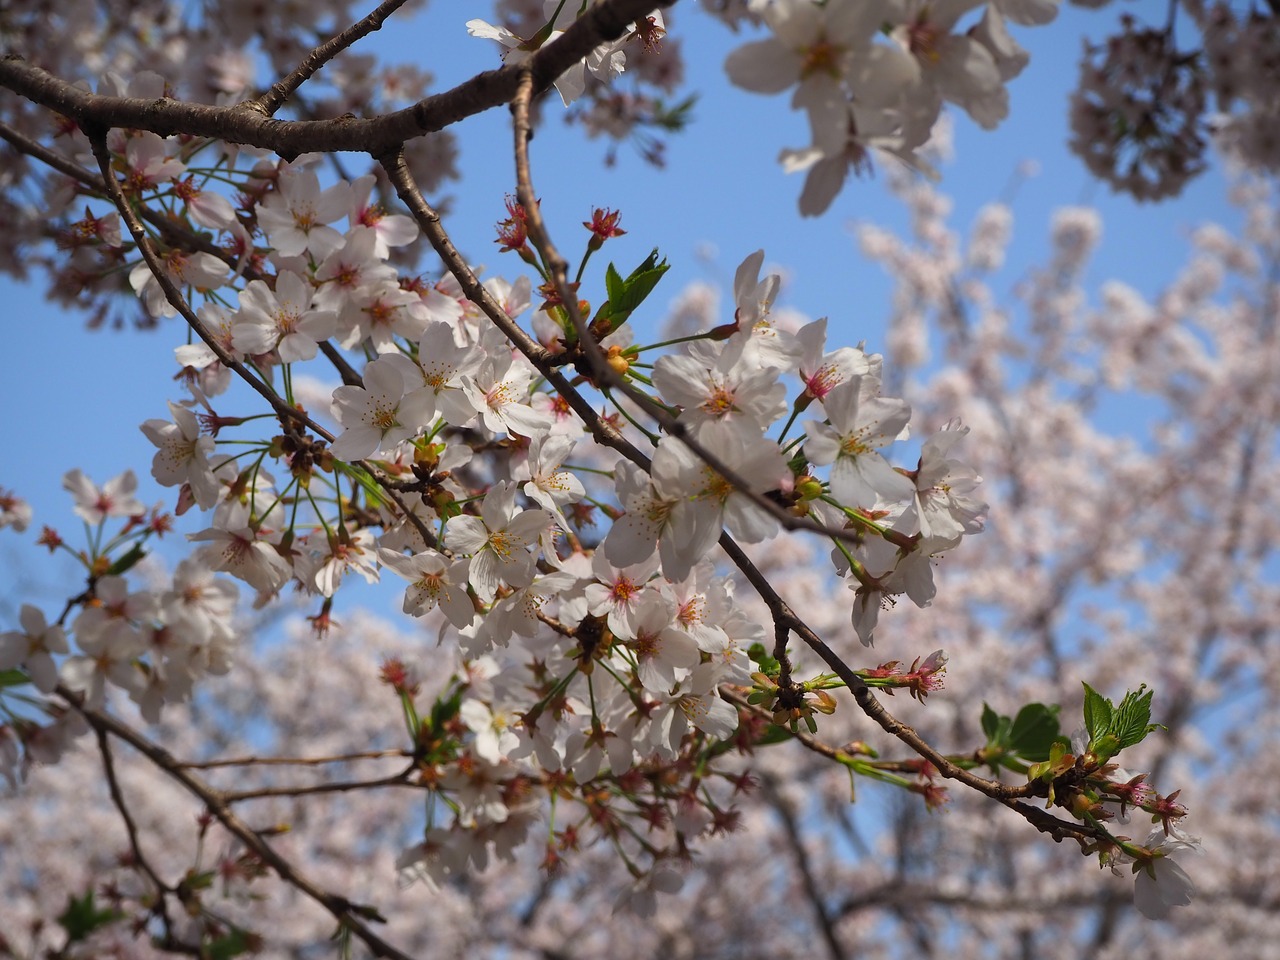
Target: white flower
201, 606
394, 230
282, 319
517, 614
549, 487
814, 46
14, 511
442, 363
240, 552
706, 501
693, 704
942, 511
605, 62
494, 738
433, 581
664, 654
33, 648
860, 477
1160, 884
721, 382
380, 414
114, 499
635, 535
325, 567
497, 541
822, 372
203, 271
954, 66
148, 161
183, 456
295, 215
619, 591
499, 392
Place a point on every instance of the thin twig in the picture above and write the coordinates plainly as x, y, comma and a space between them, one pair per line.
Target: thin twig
338, 786
812, 892
294, 761
275, 97
161, 906
348, 914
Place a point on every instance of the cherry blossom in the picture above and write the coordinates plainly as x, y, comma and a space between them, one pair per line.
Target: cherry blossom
297, 215
242, 553
859, 425
282, 319
95, 504
33, 648
584, 687
183, 455
497, 541
14, 511
380, 414
433, 581
389, 229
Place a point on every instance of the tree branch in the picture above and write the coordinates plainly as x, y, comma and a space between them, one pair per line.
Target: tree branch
246, 123
344, 911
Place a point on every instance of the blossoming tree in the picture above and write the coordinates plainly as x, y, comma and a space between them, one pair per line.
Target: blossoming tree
640, 579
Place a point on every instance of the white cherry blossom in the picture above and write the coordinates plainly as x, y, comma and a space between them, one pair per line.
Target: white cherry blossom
498, 541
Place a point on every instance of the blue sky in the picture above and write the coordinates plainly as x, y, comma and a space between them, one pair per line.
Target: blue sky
72, 397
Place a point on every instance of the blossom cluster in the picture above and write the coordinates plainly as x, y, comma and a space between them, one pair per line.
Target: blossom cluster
456, 467
861, 96
616, 670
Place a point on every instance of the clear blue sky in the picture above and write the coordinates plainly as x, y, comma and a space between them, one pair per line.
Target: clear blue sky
75, 398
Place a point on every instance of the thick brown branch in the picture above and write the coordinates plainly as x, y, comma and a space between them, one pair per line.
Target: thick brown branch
245, 123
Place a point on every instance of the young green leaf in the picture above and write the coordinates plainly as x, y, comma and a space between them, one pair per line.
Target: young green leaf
1034, 731
990, 723
82, 917
626, 295
233, 944
1132, 720
1097, 713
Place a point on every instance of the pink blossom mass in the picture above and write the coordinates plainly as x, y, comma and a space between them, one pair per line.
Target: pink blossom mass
432, 573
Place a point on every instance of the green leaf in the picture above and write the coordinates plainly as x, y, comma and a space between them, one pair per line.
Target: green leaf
675, 117
223, 948
990, 723
773, 734
13, 678
1132, 720
81, 917
128, 561
613, 285
626, 295
1034, 731
445, 709
769, 664
1097, 714
1105, 747
199, 881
